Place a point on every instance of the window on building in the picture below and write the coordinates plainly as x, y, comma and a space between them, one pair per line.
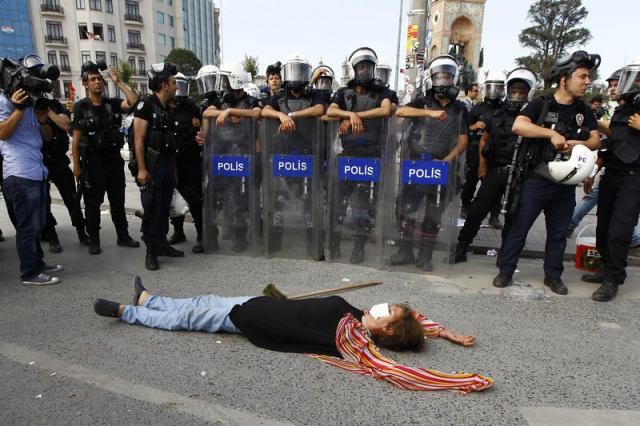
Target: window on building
108, 6
65, 87
54, 31
170, 21
111, 33
132, 63
131, 8
52, 58
160, 17
85, 56
95, 4
80, 4
64, 62
101, 56
56, 89
170, 2
162, 40
142, 66
114, 60
83, 31
134, 37
143, 89
98, 33
172, 42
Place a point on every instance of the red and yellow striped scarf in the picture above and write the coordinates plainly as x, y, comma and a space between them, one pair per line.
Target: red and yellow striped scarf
360, 355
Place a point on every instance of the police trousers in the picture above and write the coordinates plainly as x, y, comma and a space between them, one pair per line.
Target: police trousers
105, 174
156, 201
62, 177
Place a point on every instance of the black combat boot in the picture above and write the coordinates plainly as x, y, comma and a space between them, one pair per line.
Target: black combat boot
606, 292
54, 242
404, 255
178, 235
151, 259
240, 242
275, 239
357, 255
458, 255
83, 238
425, 253
94, 244
125, 240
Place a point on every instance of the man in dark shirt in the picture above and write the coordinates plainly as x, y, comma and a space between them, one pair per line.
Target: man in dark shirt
97, 163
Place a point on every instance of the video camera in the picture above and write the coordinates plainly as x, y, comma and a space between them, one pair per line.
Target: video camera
29, 74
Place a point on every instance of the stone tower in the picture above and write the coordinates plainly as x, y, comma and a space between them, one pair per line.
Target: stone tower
457, 24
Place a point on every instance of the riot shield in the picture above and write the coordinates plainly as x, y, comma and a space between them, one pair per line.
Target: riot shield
231, 187
423, 228
357, 175
292, 197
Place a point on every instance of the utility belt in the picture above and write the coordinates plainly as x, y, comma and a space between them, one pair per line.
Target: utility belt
162, 145
622, 172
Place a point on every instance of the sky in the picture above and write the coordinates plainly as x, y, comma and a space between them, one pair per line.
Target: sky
330, 30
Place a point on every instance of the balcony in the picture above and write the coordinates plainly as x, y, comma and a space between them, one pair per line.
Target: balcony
65, 69
135, 46
51, 8
142, 72
55, 39
132, 19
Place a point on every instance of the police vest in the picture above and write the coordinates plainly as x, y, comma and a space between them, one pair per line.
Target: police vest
239, 134
360, 102
101, 128
433, 137
500, 148
161, 133
486, 111
58, 146
185, 131
298, 142
624, 141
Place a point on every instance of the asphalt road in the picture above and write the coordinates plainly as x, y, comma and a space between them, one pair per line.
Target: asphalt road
554, 359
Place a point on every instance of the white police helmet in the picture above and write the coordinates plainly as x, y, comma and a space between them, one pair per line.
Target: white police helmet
252, 90
383, 71
233, 76
494, 86
526, 79
629, 84
444, 71
323, 77
363, 63
575, 169
183, 85
208, 79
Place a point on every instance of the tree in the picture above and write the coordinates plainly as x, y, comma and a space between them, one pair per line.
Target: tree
555, 32
250, 65
125, 72
186, 61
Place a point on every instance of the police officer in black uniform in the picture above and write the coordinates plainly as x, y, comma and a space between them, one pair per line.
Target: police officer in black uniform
619, 194
208, 82
497, 144
154, 133
360, 106
295, 101
478, 117
443, 135
97, 163
188, 162
551, 126
54, 150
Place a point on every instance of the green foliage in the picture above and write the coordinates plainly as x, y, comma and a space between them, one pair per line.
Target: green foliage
250, 65
186, 61
555, 33
125, 72
468, 75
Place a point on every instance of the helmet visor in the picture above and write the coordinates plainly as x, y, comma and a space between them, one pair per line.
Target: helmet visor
183, 87
208, 83
443, 78
383, 74
324, 83
224, 83
629, 80
518, 92
364, 71
296, 71
494, 90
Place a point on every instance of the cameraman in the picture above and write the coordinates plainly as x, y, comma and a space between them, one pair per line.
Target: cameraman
97, 163
24, 176
550, 125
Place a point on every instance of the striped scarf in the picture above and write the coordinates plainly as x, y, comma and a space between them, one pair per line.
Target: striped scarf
360, 355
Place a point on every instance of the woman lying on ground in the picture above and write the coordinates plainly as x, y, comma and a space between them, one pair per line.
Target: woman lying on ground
328, 329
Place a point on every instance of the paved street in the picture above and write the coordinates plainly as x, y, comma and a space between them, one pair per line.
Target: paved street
554, 359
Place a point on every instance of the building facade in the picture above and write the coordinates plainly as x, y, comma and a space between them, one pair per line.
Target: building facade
139, 32
16, 39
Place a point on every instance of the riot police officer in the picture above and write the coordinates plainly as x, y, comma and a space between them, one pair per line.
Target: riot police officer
188, 161
619, 195
383, 74
208, 82
478, 116
439, 132
360, 106
551, 127
497, 144
294, 136
97, 163
322, 78
54, 150
155, 148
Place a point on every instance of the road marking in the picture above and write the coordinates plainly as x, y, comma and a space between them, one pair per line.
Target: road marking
195, 407
552, 416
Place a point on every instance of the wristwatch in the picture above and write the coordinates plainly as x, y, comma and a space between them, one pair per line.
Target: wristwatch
290, 114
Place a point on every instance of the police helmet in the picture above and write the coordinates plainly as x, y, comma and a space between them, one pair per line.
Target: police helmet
322, 77
383, 71
160, 73
252, 90
363, 63
494, 86
578, 59
233, 76
296, 71
183, 85
208, 79
520, 78
443, 75
574, 170
93, 68
629, 84
614, 75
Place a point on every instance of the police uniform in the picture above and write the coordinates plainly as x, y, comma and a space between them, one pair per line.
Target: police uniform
188, 161
101, 164
539, 194
499, 153
160, 149
57, 162
360, 196
619, 195
428, 139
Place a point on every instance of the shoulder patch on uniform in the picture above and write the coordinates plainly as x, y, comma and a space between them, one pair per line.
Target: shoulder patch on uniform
140, 105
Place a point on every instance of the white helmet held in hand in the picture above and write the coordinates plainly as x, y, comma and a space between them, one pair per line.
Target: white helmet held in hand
233, 76
575, 169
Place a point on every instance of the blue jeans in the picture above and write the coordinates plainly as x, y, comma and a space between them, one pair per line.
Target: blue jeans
202, 313
29, 201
